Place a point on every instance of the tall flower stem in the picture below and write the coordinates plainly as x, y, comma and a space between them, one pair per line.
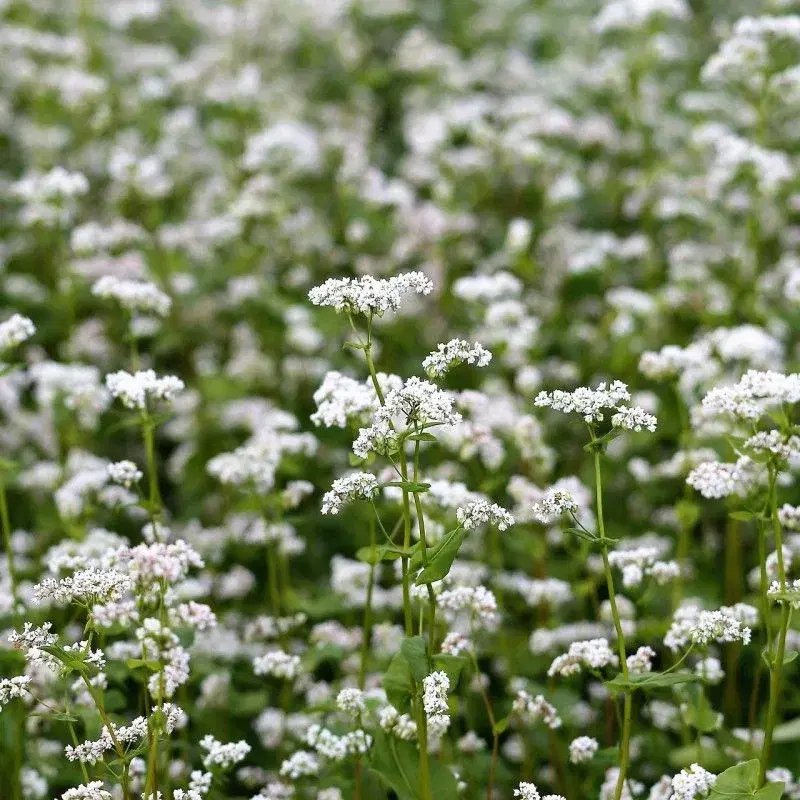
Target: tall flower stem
493, 722
367, 625
6, 526
627, 711
778, 653
423, 543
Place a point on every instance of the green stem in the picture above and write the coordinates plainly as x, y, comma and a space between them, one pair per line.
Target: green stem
776, 658
272, 579
627, 712
423, 543
6, 525
367, 626
495, 737
152, 471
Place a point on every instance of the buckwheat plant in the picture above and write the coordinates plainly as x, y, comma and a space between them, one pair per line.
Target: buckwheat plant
399, 399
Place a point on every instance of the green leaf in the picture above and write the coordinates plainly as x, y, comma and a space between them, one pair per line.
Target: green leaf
452, 666
415, 651
500, 725
142, 663
651, 680
699, 714
397, 765
410, 486
740, 782
422, 437
442, 556
373, 554
788, 731
62, 716
743, 516
397, 683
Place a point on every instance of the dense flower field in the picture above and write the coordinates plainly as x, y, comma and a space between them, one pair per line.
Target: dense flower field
398, 399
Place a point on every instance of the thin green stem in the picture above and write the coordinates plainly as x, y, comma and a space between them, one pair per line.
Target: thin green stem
367, 626
627, 712
776, 657
495, 736
6, 525
423, 543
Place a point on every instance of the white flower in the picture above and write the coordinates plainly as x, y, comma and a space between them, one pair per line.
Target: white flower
15, 330
224, 755
12, 688
87, 791
141, 296
532, 709
714, 479
299, 765
277, 664
125, 473
692, 783
553, 504
641, 661
589, 403
135, 389
357, 485
633, 418
582, 749
454, 352
593, 654
368, 295
482, 512
434, 699
351, 701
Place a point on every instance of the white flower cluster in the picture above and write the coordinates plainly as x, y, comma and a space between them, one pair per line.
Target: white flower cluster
554, 503
125, 473
643, 560
532, 709
589, 403
633, 418
13, 688
754, 394
582, 749
341, 400
14, 331
792, 587
715, 479
692, 783
773, 443
672, 361
223, 755
789, 517
136, 296
368, 295
693, 625
528, 791
277, 664
334, 747
478, 601
399, 725
351, 701
87, 791
135, 389
454, 352
87, 586
434, 700
641, 662
357, 485
301, 764
481, 512
593, 654
416, 403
